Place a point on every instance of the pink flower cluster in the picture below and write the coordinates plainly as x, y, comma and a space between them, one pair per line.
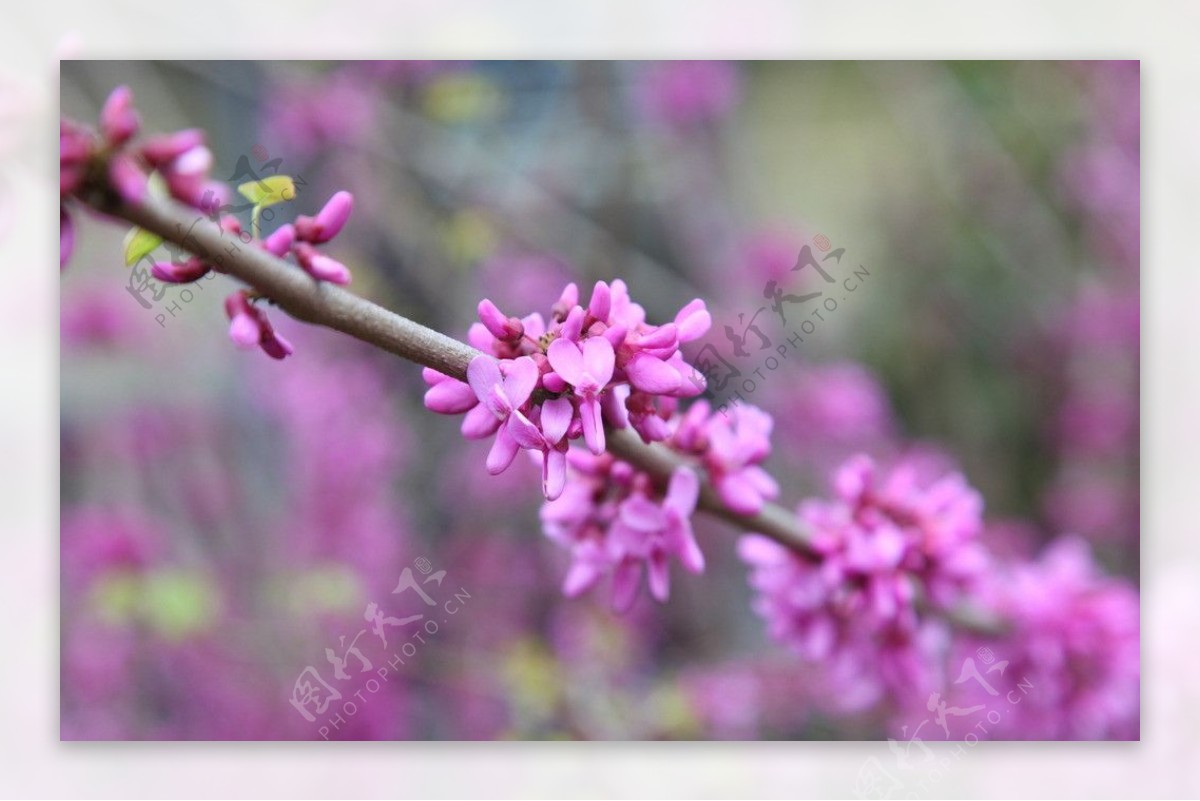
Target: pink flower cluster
185, 163
614, 520
1071, 649
537, 386
885, 542
731, 447
181, 158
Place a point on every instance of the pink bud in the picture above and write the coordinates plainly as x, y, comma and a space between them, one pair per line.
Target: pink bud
324, 268
238, 303
601, 301
170, 273
127, 178
118, 119
229, 224
505, 329
333, 217
321, 267
275, 346
693, 321
280, 242
197, 160
567, 301
328, 222
164, 148
244, 331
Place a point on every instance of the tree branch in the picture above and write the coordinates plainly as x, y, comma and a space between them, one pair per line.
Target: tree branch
319, 303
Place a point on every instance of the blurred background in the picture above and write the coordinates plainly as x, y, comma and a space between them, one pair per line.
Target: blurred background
226, 518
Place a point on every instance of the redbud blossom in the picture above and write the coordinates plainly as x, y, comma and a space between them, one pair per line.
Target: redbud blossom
118, 119
249, 327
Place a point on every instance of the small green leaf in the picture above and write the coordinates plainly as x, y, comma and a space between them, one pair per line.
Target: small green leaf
268, 191
139, 243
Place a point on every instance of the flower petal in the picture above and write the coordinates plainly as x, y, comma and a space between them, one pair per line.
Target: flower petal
626, 578
739, 494
244, 331
479, 423
612, 406
652, 375
683, 491
554, 473
526, 434
504, 450
693, 321
593, 427
567, 360
520, 380
582, 576
659, 575
682, 542
643, 515
598, 359
450, 397
556, 418
483, 374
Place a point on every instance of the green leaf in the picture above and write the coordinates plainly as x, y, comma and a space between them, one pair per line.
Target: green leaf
139, 243
268, 191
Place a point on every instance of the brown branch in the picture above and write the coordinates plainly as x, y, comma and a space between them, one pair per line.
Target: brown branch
333, 307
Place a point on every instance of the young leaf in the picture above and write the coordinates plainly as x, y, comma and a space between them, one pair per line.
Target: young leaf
139, 243
268, 191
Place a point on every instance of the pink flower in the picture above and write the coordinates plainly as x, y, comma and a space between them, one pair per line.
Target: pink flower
576, 364
249, 327
588, 369
502, 327
118, 118
882, 542
731, 447
161, 149
192, 269
320, 266
1069, 652
650, 533
329, 220
502, 389
614, 520
447, 395
280, 242
549, 437
127, 178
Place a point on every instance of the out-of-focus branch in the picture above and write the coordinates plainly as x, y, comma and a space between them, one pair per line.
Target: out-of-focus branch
318, 303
